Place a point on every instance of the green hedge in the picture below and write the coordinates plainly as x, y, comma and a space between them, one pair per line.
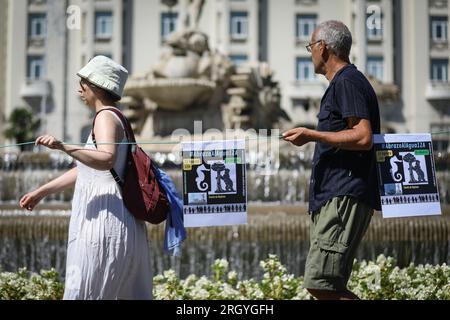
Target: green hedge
370, 280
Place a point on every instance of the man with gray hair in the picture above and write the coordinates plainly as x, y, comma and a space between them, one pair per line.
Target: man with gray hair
343, 188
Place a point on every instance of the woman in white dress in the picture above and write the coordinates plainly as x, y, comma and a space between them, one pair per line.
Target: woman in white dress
108, 253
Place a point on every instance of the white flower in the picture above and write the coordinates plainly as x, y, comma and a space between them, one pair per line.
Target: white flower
222, 263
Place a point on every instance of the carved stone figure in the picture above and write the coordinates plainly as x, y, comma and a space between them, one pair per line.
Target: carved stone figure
192, 82
190, 13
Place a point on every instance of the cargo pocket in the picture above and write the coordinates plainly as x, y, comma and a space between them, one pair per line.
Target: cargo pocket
330, 237
333, 258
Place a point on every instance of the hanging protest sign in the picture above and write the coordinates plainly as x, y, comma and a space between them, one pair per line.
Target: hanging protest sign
406, 175
214, 183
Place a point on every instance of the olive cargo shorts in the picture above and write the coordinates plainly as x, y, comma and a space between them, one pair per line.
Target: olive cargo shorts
335, 233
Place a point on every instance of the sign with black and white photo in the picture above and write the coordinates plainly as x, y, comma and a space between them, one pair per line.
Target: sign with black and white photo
214, 183
406, 175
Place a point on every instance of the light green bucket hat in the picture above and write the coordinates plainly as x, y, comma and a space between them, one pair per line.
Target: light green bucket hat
105, 73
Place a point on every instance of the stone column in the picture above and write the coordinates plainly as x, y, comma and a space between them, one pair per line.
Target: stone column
253, 30
117, 30
89, 30
360, 36
448, 39
388, 41
3, 50
214, 24
225, 27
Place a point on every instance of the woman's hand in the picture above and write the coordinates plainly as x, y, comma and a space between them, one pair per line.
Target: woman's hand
30, 200
49, 142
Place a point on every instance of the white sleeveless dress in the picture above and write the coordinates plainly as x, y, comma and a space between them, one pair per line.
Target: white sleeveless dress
108, 253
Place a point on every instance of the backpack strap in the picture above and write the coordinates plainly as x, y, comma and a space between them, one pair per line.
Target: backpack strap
128, 132
126, 124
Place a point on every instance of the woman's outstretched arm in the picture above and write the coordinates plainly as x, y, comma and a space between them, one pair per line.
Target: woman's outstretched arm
63, 182
107, 130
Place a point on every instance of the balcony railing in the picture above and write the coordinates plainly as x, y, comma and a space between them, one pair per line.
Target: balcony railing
35, 88
438, 91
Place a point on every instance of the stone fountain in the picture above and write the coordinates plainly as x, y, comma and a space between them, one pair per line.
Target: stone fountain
278, 222
193, 82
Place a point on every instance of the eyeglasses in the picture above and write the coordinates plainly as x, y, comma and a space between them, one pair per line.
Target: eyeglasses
308, 47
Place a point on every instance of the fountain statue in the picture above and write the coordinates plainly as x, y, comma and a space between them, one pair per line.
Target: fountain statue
389, 99
190, 13
192, 82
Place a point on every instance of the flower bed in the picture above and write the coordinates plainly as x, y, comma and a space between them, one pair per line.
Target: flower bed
381, 279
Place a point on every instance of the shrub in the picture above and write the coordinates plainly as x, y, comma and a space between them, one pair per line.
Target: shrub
24, 285
380, 279
22, 126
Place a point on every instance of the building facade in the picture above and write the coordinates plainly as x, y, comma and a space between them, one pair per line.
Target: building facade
3, 46
48, 41
401, 44
425, 85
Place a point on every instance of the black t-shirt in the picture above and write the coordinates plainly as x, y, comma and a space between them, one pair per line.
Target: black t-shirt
337, 172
